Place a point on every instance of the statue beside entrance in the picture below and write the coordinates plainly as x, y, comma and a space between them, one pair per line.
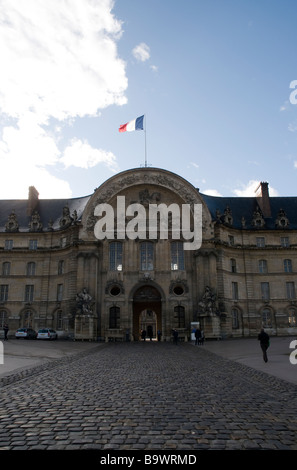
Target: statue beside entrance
85, 325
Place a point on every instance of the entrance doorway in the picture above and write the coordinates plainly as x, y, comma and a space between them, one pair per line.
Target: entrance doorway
148, 323
147, 312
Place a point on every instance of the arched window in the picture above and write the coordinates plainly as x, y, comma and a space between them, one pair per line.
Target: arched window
177, 256
28, 319
292, 317
114, 317
235, 318
115, 256
6, 268
266, 318
146, 256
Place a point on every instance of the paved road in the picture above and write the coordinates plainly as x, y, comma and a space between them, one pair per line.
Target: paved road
146, 396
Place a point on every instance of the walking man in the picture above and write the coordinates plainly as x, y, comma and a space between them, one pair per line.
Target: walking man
264, 343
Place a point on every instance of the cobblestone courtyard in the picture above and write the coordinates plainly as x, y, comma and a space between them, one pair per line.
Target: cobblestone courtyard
129, 396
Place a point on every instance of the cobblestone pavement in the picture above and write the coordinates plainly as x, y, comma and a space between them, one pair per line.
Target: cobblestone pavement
129, 396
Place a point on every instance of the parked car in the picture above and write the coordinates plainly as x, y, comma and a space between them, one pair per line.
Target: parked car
47, 333
25, 333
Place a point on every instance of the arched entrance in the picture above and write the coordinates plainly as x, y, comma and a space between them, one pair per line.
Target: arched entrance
147, 311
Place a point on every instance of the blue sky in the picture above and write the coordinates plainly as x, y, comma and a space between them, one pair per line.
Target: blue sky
211, 76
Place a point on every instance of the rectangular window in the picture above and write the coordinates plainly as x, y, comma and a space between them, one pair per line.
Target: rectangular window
115, 256
260, 242
262, 266
287, 265
177, 256
8, 245
32, 244
3, 293
290, 290
233, 265
29, 293
61, 267
59, 292
265, 291
234, 290
146, 256
285, 242
31, 267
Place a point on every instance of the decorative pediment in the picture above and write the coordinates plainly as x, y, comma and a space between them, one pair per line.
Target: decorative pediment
66, 219
282, 220
12, 223
258, 219
35, 224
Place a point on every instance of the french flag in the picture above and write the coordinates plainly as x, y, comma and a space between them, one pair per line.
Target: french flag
135, 125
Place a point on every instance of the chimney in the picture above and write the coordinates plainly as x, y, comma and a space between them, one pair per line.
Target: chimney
32, 200
262, 195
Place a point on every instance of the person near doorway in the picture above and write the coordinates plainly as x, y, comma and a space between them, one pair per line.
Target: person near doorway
150, 332
202, 337
143, 334
175, 336
159, 333
263, 337
197, 336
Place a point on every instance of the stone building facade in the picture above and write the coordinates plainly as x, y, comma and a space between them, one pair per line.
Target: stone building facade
54, 271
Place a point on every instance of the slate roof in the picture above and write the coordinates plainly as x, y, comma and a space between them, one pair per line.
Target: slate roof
48, 209
245, 207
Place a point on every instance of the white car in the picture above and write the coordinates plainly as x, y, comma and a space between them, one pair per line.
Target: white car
25, 333
47, 333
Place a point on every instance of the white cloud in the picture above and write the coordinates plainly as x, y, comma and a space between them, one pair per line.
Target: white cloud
154, 68
212, 192
248, 190
141, 52
80, 154
195, 165
58, 61
293, 126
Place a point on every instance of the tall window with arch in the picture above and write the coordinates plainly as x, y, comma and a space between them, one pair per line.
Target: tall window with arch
179, 316
177, 256
114, 317
116, 256
292, 317
6, 268
146, 256
266, 318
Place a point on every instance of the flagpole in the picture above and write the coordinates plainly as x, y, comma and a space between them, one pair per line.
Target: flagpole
145, 153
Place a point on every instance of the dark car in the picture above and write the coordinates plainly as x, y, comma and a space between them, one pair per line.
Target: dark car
25, 333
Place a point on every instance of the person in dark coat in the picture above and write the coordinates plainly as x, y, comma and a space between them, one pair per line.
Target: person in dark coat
264, 343
5, 329
197, 336
175, 336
